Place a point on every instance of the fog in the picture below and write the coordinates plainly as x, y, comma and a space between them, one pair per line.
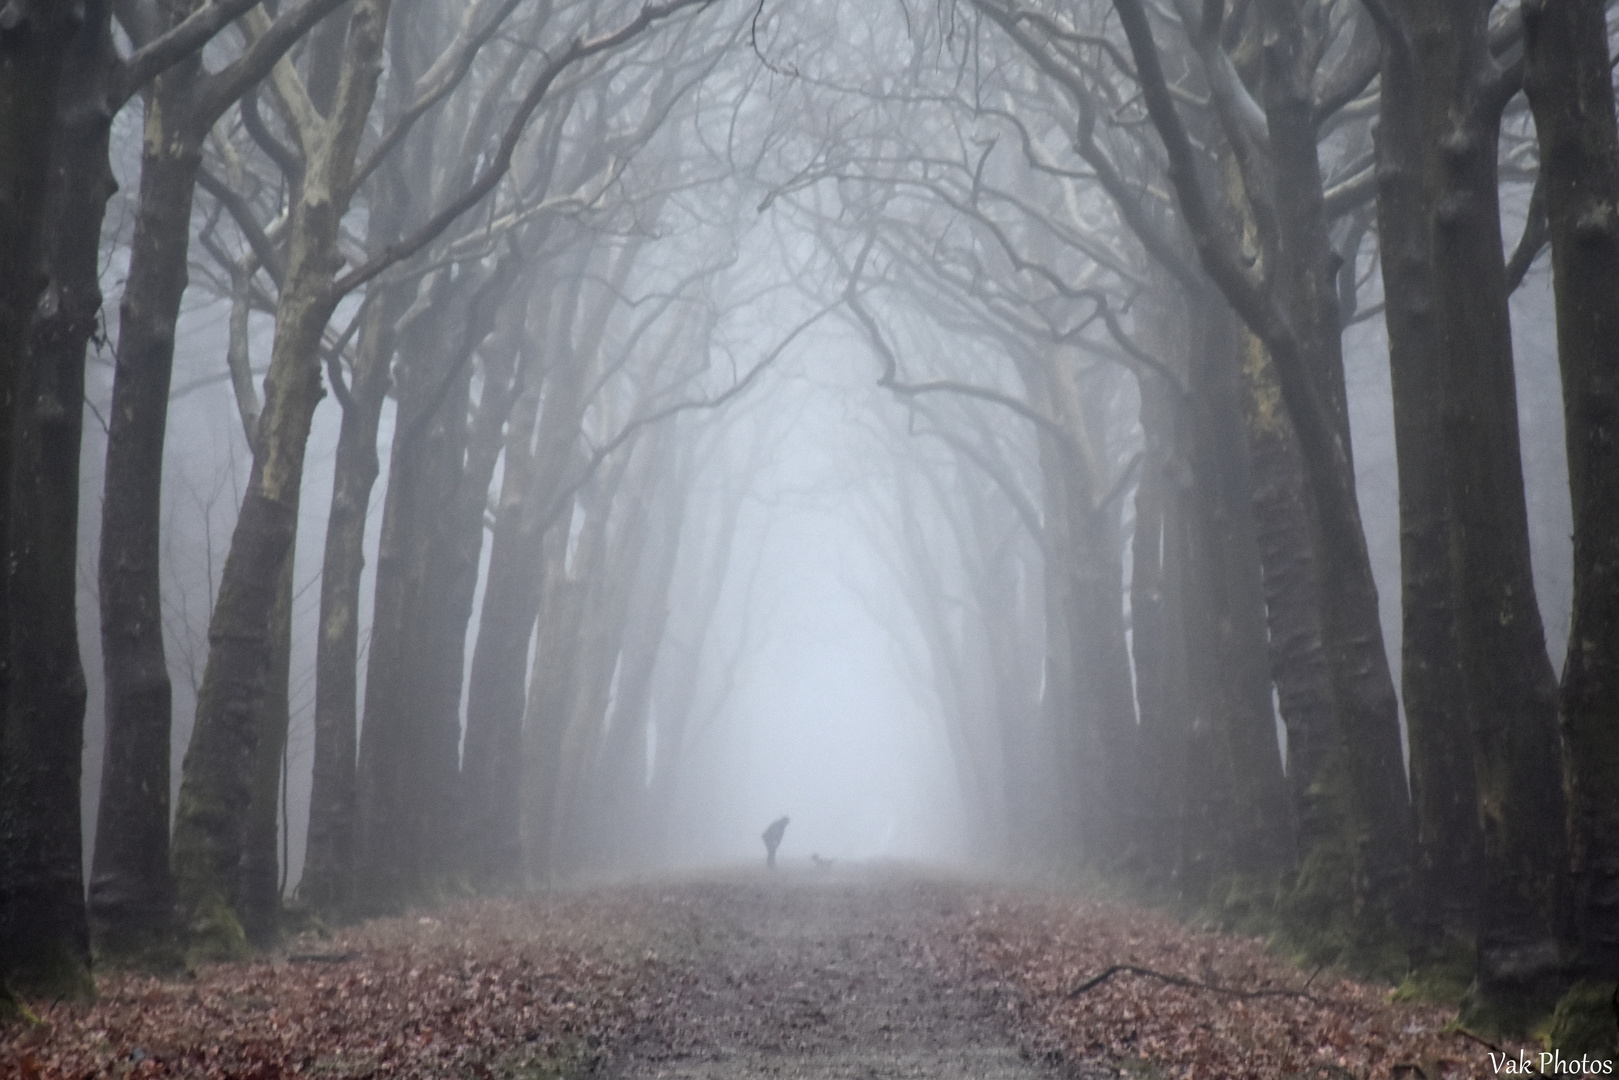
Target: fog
826, 718
527, 443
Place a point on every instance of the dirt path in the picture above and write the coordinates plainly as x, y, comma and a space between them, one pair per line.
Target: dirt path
847, 974
815, 974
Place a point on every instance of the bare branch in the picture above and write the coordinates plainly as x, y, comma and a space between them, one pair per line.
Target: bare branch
581, 49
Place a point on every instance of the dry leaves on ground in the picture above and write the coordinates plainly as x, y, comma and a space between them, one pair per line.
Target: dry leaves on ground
479, 989
1032, 951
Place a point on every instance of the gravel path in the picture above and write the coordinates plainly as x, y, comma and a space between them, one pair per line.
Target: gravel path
819, 975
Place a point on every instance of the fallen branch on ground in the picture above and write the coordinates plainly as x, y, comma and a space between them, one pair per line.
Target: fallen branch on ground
1190, 984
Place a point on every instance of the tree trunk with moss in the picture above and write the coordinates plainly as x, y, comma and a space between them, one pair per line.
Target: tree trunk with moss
1570, 89
215, 787
1305, 281
1284, 290
1290, 569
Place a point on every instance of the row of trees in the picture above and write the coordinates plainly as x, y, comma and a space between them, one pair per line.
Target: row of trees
1103, 256
364, 174
1199, 200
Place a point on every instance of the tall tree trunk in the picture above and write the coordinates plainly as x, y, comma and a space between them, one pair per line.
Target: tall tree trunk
622, 794
456, 552
327, 882
535, 502
131, 888
607, 548
490, 789
1511, 690
1157, 593
393, 808
431, 735
42, 690
1221, 501
676, 697
216, 779
1290, 572
259, 896
1285, 302
1304, 277
1157, 571
1102, 658
1570, 89
551, 692
1067, 764
30, 81
1444, 794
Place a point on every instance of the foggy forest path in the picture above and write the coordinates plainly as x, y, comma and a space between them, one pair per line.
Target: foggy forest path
820, 974
855, 972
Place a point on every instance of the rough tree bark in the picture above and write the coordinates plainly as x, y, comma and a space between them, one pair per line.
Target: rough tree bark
53, 146
258, 897
1443, 790
1263, 845
215, 784
131, 882
1459, 93
327, 885
1297, 321
1304, 279
131, 890
1570, 89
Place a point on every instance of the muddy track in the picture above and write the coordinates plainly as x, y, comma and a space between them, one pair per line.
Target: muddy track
816, 974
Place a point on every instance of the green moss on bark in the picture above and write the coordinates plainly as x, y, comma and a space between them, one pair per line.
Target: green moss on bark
1443, 977
1587, 1022
214, 932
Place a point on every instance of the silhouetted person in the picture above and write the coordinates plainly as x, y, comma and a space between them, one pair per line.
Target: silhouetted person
772, 839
